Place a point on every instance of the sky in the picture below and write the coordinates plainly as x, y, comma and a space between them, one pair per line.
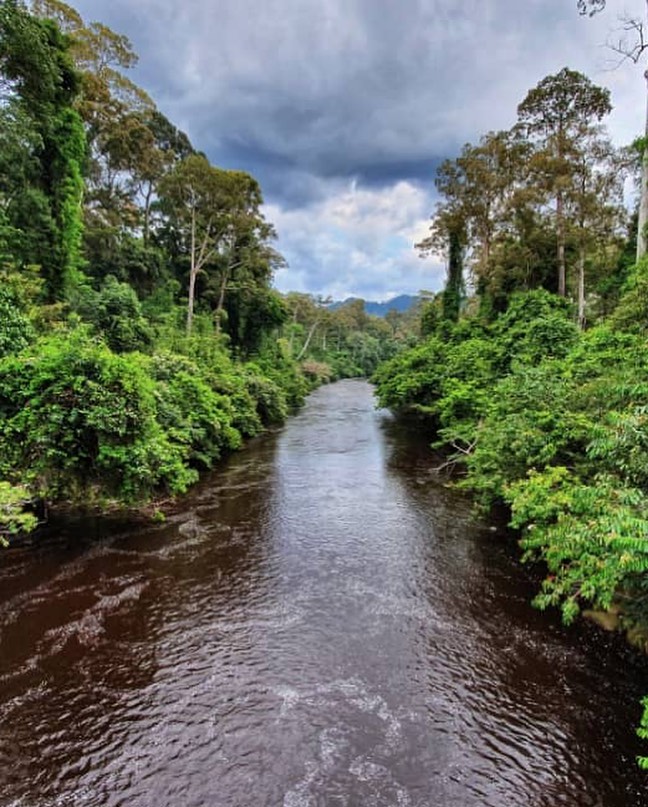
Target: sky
343, 109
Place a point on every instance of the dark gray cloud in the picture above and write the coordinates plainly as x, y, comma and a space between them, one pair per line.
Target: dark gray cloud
311, 96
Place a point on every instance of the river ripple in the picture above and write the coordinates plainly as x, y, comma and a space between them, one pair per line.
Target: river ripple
319, 624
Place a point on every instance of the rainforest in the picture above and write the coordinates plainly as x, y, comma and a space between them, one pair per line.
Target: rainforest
270, 588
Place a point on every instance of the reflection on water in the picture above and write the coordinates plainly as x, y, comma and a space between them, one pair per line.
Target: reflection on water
320, 623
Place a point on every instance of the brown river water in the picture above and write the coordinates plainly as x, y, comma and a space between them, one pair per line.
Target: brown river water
318, 624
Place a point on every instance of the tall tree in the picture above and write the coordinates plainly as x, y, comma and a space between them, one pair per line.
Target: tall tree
595, 203
162, 148
631, 47
216, 215
113, 109
554, 115
480, 191
454, 288
40, 85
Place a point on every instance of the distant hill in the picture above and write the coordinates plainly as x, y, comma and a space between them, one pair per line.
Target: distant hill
401, 303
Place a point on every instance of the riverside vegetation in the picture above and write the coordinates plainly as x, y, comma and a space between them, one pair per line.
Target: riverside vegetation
140, 337
537, 385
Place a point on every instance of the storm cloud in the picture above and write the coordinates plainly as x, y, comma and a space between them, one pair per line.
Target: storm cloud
344, 108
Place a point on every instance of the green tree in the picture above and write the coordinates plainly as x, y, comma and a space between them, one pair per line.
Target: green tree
41, 85
124, 158
481, 193
454, 289
116, 313
595, 205
217, 220
554, 116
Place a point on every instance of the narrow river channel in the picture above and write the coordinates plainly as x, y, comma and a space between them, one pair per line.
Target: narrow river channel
319, 624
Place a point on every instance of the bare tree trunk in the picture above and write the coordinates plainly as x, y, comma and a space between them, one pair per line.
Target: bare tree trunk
147, 214
560, 227
193, 271
307, 342
227, 275
292, 331
198, 260
643, 193
581, 287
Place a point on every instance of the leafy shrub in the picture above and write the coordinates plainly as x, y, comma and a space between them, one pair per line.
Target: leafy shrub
77, 420
318, 372
193, 416
412, 379
16, 331
530, 423
116, 313
632, 311
269, 398
14, 518
593, 536
535, 326
553, 423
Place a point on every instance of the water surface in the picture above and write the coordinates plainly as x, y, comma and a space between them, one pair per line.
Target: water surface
320, 623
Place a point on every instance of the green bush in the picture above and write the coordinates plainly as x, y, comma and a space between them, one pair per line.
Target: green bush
16, 331
192, 415
632, 311
592, 536
15, 519
530, 423
117, 315
270, 400
78, 421
551, 422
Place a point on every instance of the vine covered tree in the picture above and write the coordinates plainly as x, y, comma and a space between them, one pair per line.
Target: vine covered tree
41, 85
454, 290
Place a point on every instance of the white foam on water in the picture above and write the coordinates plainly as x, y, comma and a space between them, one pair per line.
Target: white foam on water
335, 746
301, 794
289, 698
89, 628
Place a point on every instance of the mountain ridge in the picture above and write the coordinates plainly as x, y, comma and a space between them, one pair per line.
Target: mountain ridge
401, 303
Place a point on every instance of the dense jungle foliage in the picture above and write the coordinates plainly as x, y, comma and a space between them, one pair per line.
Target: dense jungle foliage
140, 336
536, 384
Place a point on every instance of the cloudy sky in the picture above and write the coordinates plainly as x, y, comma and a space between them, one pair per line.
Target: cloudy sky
344, 108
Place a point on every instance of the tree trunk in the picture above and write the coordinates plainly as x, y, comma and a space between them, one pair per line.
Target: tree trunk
643, 193
147, 214
307, 342
453, 291
190, 307
560, 229
292, 331
192, 274
581, 287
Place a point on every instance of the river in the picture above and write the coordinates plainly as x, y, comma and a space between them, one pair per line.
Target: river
318, 624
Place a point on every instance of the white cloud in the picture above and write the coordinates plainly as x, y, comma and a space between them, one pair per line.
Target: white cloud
357, 242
